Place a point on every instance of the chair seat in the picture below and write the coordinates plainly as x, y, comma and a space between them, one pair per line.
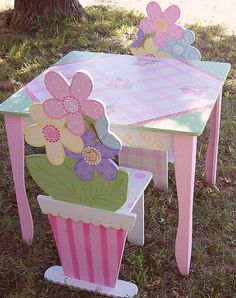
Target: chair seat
138, 181
121, 218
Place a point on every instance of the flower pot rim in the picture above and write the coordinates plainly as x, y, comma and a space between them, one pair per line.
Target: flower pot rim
109, 219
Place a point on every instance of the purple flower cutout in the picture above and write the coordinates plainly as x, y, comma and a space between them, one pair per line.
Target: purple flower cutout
138, 42
94, 156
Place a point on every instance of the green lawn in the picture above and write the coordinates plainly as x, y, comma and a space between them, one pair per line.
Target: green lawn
153, 267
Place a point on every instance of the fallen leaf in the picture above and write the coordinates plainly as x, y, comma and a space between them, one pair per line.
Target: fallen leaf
156, 282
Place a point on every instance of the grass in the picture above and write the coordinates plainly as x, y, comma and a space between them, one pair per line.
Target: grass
152, 267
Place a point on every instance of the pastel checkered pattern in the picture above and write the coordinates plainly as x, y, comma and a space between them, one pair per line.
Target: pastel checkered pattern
148, 91
149, 160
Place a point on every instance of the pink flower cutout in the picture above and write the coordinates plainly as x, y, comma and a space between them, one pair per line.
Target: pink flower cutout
162, 24
71, 100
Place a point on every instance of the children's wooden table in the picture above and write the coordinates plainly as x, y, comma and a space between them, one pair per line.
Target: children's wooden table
157, 104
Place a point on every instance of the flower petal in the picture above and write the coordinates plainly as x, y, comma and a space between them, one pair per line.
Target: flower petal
76, 124
154, 10
34, 135
70, 154
106, 152
171, 14
189, 37
176, 32
57, 84
57, 122
88, 138
147, 26
70, 141
191, 53
150, 47
93, 109
37, 114
139, 40
55, 153
53, 109
105, 135
81, 85
108, 169
84, 170
138, 51
160, 39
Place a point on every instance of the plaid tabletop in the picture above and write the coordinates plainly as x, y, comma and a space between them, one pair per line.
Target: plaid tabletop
135, 90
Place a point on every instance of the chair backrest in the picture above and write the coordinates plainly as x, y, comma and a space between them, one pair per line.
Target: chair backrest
159, 36
78, 166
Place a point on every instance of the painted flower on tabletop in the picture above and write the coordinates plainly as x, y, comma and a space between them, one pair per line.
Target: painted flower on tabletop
120, 83
110, 109
94, 156
52, 134
71, 100
195, 90
162, 24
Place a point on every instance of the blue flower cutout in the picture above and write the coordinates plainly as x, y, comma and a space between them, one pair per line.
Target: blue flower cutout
107, 137
182, 49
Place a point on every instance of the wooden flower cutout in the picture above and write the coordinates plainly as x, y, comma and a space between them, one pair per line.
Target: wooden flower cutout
52, 134
71, 100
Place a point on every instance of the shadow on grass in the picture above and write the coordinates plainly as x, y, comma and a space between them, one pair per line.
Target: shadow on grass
22, 57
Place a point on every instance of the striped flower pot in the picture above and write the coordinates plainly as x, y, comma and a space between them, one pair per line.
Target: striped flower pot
90, 242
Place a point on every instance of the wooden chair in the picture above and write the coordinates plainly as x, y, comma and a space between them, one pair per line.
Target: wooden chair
159, 37
92, 204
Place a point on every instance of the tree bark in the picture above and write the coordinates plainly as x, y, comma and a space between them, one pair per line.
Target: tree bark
26, 12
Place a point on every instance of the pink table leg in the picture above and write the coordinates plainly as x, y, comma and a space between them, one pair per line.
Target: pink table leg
16, 150
185, 160
212, 151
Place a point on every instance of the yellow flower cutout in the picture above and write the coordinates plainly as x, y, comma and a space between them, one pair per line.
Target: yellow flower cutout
149, 48
52, 134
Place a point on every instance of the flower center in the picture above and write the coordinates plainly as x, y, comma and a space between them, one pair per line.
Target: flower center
92, 156
161, 25
51, 133
177, 49
71, 104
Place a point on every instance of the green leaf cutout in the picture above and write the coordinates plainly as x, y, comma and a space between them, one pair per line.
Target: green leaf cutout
61, 183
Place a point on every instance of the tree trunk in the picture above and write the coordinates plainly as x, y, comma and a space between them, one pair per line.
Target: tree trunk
26, 12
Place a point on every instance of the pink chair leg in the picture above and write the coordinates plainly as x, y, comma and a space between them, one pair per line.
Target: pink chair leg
212, 151
149, 160
16, 150
185, 159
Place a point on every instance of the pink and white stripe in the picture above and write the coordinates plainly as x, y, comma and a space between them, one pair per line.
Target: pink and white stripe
89, 252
